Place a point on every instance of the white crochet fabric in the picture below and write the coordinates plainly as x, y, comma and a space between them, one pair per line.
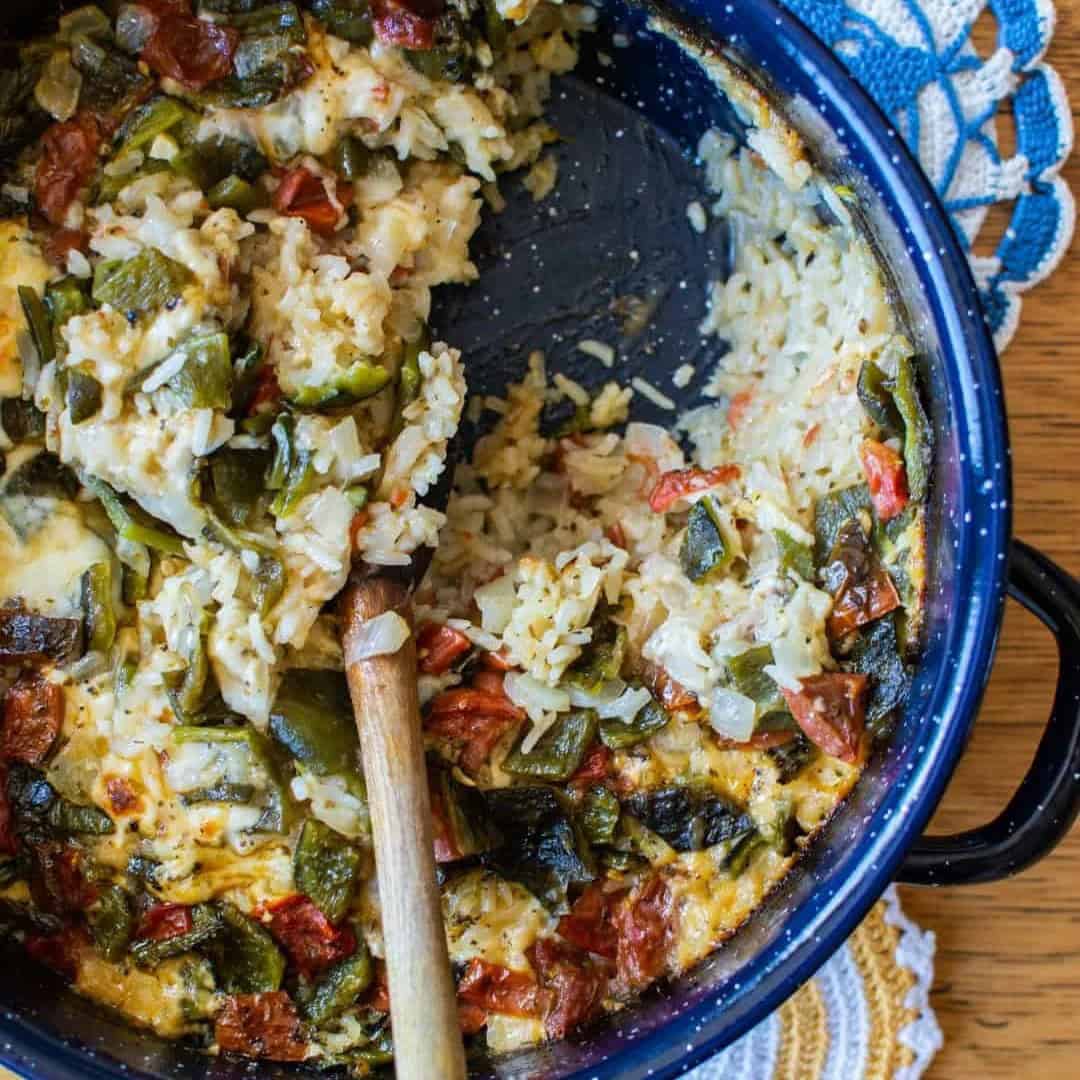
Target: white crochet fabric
755, 1055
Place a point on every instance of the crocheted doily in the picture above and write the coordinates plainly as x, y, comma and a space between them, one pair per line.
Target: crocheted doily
958, 109
865, 1015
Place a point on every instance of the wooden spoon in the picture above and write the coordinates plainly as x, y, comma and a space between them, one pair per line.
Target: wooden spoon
423, 1004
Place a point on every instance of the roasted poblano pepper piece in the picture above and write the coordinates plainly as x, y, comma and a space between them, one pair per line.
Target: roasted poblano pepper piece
352, 159
22, 420
601, 659
237, 483
340, 986
26, 637
875, 394
216, 158
246, 369
109, 78
795, 558
348, 19
599, 815
449, 58
37, 321
468, 826
409, 376
111, 922
157, 117
299, 482
918, 435
25, 487
188, 692
236, 194
98, 610
833, 511
704, 550
542, 846
619, 734
204, 381
244, 956
326, 868
131, 522
358, 495
292, 472
312, 718
145, 282
877, 654
749, 678
361, 380
12, 870
687, 819
220, 793
206, 923
69, 817
559, 752
743, 852
792, 757
65, 299
83, 396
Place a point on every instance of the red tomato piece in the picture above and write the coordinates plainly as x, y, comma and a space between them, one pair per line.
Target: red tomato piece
378, 996
860, 602
307, 935
499, 989
594, 768
61, 242
9, 842
267, 390
193, 52
471, 1018
33, 713
58, 881
446, 849
671, 694
589, 923
886, 478
59, 952
831, 710
643, 928
677, 484
263, 1025
396, 24
163, 921
617, 535
303, 194
438, 646
476, 718
69, 153
576, 984
497, 662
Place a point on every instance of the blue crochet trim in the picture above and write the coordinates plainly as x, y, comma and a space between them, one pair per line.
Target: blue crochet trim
916, 59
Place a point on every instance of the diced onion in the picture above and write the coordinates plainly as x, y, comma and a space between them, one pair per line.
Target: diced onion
731, 714
626, 706
533, 696
604, 694
380, 636
496, 603
57, 91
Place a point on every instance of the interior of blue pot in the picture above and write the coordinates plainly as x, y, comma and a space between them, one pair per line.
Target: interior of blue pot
659, 101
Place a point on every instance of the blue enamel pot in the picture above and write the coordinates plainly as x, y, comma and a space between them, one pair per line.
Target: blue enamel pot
656, 100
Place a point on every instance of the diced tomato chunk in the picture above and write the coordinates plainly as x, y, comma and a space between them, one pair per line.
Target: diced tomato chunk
396, 24
60, 243
496, 661
438, 646
378, 995
679, 483
164, 921
476, 718
643, 928
671, 694
886, 477
594, 768
311, 941
471, 1018
68, 155
498, 989
860, 602
263, 1025
59, 952
831, 710
589, 923
194, 52
302, 194
576, 983
446, 848
267, 390
58, 881
33, 712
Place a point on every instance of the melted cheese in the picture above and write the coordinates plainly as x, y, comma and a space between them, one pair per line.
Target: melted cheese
21, 263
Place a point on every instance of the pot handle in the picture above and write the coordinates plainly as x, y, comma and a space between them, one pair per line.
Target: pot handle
1047, 801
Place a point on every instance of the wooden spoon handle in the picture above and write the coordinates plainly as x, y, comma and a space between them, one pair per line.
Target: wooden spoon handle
423, 1005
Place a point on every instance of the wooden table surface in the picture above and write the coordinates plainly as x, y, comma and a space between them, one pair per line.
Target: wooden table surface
1007, 984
